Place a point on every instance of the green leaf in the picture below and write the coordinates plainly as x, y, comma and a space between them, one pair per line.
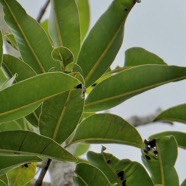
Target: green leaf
98, 161
1, 48
120, 172
64, 25
29, 94
79, 182
3, 180
184, 183
22, 175
11, 40
20, 124
176, 113
9, 162
8, 83
90, 176
84, 16
179, 136
63, 55
34, 45
103, 42
25, 142
13, 65
102, 128
56, 119
81, 149
161, 167
139, 56
129, 83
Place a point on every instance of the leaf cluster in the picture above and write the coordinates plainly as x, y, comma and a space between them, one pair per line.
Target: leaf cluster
50, 97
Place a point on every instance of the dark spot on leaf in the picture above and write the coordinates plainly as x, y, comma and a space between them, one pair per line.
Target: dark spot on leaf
79, 86
124, 183
147, 157
109, 161
26, 165
126, 9
94, 84
121, 175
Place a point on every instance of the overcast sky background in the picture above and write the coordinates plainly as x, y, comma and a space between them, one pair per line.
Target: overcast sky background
160, 27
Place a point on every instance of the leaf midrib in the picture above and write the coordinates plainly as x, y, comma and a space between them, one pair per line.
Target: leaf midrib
132, 92
25, 38
105, 51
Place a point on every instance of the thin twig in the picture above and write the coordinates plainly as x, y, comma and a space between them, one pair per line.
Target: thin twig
42, 11
39, 181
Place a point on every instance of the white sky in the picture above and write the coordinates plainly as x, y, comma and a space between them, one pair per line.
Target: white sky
158, 26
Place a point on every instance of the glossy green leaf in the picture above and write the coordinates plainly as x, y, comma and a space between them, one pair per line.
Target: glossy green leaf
30, 143
1, 48
84, 16
81, 149
103, 42
161, 167
184, 183
102, 128
31, 93
139, 56
56, 120
177, 113
13, 65
129, 83
179, 136
9, 162
22, 175
90, 175
11, 40
120, 172
34, 45
64, 27
63, 55
3, 180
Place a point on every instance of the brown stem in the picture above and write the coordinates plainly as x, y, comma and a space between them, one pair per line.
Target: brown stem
39, 181
42, 11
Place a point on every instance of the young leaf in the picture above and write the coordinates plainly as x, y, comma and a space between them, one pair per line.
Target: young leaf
179, 136
176, 113
102, 128
16, 177
129, 83
63, 55
11, 40
31, 93
81, 149
34, 45
64, 25
25, 142
56, 119
90, 175
104, 41
139, 56
161, 166
9, 162
84, 16
1, 48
